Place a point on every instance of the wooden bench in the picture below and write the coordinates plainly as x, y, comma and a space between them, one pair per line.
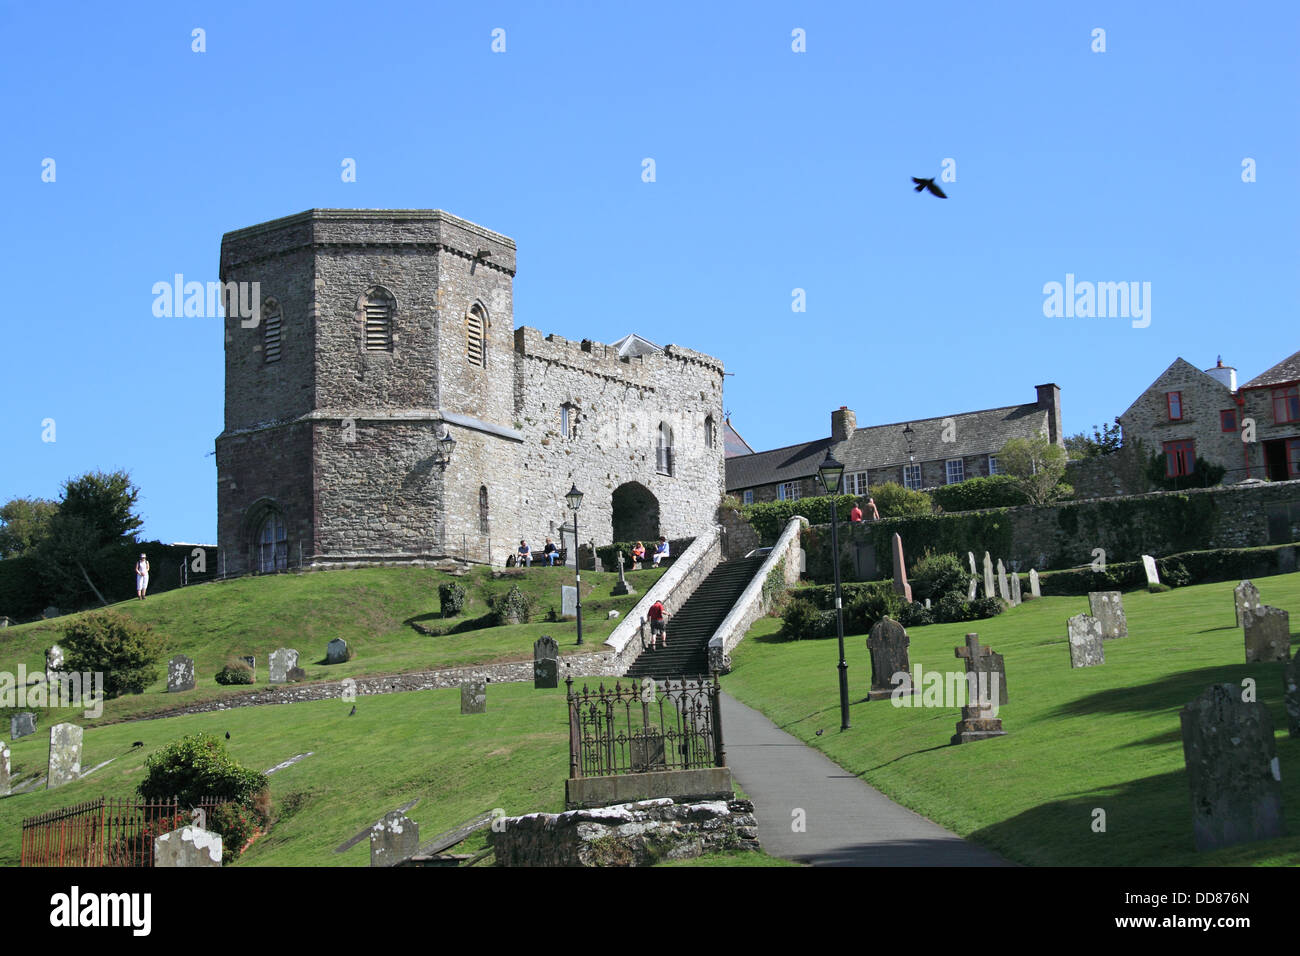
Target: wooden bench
539, 559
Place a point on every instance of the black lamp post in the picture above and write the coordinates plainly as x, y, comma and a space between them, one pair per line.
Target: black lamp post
574, 498
830, 472
446, 445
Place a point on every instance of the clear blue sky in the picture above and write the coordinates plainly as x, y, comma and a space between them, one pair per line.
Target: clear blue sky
775, 170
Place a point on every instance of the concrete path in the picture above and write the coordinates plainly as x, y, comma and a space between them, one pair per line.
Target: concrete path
848, 823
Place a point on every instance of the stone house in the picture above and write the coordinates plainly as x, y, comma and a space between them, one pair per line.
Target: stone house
382, 406
919, 454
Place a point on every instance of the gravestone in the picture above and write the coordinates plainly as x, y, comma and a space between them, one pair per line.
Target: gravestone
50, 612
1149, 565
1232, 769
647, 752
180, 674
394, 839
612, 615
1033, 584
65, 755
546, 664
888, 643
5, 621
4, 770
1268, 634
1108, 607
568, 600
1087, 641
979, 719
188, 846
282, 661
22, 725
1015, 589
336, 651
54, 660
1291, 697
252, 663
900, 570
988, 575
970, 556
1246, 597
1003, 591
473, 697
972, 589
622, 587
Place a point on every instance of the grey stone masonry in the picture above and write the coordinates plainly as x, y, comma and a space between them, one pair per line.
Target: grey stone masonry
65, 755
1087, 647
1108, 608
1268, 634
188, 846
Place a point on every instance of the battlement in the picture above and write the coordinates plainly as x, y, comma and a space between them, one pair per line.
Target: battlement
600, 358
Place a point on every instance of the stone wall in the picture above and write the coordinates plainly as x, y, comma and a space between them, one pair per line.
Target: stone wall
629, 834
782, 567
738, 535
1122, 472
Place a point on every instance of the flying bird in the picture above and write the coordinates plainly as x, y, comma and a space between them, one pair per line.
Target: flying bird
930, 185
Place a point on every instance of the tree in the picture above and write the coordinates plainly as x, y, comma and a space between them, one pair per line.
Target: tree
1105, 439
26, 523
125, 650
92, 532
1038, 465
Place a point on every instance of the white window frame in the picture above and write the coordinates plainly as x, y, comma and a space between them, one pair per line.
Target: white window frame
789, 491
747, 496
855, 483
961, 468
909, 482
993, 465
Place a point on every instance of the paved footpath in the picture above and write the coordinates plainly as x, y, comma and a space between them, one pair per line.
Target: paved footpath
848, 822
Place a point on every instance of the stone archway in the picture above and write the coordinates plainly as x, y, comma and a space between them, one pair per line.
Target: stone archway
636, 513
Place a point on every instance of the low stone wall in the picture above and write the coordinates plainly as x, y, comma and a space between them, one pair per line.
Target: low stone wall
785, 560
673, 588
629, 834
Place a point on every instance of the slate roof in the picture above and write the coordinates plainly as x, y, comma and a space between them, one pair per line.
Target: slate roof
1284, 372
777, 465
732, 443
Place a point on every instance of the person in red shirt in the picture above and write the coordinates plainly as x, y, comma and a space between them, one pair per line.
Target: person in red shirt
657, 616
855, 513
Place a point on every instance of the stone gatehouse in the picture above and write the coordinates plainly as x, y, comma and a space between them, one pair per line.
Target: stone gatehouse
382, 406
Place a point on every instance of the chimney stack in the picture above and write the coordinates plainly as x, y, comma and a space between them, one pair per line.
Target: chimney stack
1225, 375
843, 423
1049, 399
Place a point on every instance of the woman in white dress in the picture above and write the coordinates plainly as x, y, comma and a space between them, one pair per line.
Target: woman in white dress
141, 577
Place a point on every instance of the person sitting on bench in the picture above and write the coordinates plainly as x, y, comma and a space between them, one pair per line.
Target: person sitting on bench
551, 552
525, 555
661, 550
638, 556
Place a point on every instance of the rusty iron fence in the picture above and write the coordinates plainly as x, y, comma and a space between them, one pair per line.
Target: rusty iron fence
645, 726
105, 832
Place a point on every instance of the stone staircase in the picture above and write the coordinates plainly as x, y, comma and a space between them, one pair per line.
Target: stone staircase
695, 622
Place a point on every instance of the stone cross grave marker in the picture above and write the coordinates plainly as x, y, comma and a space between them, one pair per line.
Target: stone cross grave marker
394, 839
1268, 634
1003, 591
979, 719
1291, 697
180, 674
888, 643
54, 660
65, 755
1087, 641
336, 651
22, 725
546, 663
4, 770
1149, 565
1246, 598
188, 846
1033, 584
282, 661
1108, 607
1015, 589
473, 697
622, 587
1232, 769
900, 570
568, 600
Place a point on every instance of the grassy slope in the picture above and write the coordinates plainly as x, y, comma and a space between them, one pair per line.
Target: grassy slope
370, 608
1105, 737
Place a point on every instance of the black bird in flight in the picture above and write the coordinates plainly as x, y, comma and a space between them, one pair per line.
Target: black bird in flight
930, 185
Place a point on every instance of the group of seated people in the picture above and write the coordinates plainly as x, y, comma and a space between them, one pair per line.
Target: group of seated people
660, 552
523, 556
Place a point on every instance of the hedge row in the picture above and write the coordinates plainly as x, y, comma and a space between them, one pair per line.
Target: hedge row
1176, 570
975, 494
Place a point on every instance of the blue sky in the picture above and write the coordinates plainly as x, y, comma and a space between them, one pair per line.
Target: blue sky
774, 171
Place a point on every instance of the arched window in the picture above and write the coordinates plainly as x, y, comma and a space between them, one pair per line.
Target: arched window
271, 321
664, 450
476, 325
708, 431
483, 509
272, 544
377, 308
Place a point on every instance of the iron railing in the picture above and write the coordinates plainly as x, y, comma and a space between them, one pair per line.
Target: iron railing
104, 832
645, 726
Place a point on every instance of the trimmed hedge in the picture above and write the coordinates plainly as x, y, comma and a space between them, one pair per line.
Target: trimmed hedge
1176, 570
769, 518
975, 494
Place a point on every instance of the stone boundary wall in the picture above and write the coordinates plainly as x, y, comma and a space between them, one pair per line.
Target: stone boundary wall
753, 602
738, 535
673, 588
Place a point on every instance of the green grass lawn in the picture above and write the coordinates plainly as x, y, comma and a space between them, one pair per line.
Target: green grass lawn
1105, 737
373, 609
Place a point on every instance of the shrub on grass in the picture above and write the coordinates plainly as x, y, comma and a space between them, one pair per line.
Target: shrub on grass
983, 607
952, 607
915, 614
451, 598
513, 607
235, 824
196, 767
127, 651
934, 575
802, 620
235, 673
868, 606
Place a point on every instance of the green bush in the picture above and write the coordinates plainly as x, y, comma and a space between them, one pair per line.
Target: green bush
513, 607
915, 614
983, 607
802, 620
1173, 572
236, 825
895, 501
936, 574
952, 607
196, 768
127, 651
974, 494
1203, 475
451, 599
608, 553
769, 518
868, 606
235, 673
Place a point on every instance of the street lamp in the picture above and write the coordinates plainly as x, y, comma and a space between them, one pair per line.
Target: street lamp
574, 498
446, 445
830, 472
909, 435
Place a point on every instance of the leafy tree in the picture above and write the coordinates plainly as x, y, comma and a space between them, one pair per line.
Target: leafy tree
1105, 439
26, 523
1038, 465
89, 536
125, 650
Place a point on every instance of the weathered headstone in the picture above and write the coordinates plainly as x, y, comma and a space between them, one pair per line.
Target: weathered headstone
65, 755
988, 575
568, 600
180, 674
5, 621
4, 770
282, 661
1291, 697
972, 589
612, 615
54, 659
1003, 591
1087, 642
979, 719
1246, 598
336, 651
22, 725
473, 697
888, 643
1149, 565
1232, 769
394, 839
1033, 584
900, 570
1108, 607
1268, 634
622, 587
188, 846
546, 664
1015, 589
974, 571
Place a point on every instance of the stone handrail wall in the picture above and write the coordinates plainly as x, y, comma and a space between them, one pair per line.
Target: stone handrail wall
676, 585
753, 603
